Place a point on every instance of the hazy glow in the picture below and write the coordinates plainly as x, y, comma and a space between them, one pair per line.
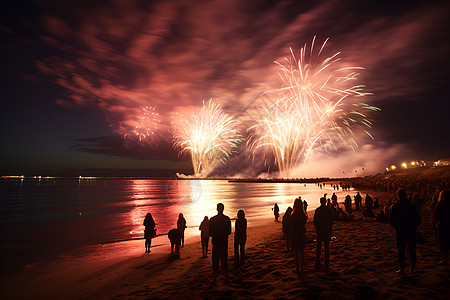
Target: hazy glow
319, 103
208, 135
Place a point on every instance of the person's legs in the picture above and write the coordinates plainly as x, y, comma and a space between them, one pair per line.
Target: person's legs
146, 246
236, 252
171, 248
302, 259
215, 262
401, 245
224, 260
318, 250
412, 251
327, 255
296, 257
242, 252
206, 247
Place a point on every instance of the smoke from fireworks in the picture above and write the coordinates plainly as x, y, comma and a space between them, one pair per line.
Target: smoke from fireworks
209, 136
318, 104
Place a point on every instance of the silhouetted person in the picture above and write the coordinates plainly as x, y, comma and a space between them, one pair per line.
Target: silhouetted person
305, 207
376, 204
276, 211
298, 219
405, 218
358, 201
287, 227
442, 220
219, 230
334, 201
348, 203
175, 241
323, 221
368, 202
181, 225
204, 227
149, 231
240, 237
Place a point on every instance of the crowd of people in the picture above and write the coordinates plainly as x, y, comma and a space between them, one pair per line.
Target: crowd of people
404, 215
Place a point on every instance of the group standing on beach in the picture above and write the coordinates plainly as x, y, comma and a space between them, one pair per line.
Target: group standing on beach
403, 215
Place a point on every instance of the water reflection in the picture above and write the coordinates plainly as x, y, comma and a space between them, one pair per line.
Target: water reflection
195, 199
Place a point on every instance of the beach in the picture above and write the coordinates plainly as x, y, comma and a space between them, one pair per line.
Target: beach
363, 262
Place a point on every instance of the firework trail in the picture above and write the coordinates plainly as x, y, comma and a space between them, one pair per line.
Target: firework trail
209, 136
318, 104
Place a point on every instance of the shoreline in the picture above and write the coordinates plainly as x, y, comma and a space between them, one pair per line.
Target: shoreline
362, 260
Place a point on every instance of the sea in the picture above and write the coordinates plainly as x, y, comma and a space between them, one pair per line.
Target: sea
50, 219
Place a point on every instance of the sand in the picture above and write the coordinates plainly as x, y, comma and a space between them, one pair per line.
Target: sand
363, 264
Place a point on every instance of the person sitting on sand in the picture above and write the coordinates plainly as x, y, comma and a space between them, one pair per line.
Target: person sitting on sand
376, 204
442, 220
149, 231
305, 207
344, 216
276, 211
287, 227
240, 237
323, 221
219, 230
368, 212
405, 218
298, 241
204, 227
175, 242
181, 225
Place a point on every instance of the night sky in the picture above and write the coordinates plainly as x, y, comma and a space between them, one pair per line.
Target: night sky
76, 74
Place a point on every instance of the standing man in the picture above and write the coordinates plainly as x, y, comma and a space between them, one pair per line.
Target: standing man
219, 230
405, 218
358, 200
323, 221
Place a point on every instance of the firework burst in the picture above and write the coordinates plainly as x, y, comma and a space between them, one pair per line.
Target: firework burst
318, 103
208, 135
147, 123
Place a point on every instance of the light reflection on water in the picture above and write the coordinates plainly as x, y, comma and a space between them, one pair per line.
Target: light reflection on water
51, 218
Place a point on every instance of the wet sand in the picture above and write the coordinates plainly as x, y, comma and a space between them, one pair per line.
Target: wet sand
363, 264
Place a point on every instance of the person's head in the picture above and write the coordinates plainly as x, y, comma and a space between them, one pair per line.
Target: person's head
444, 196
323, 201
220, 208
289, 210
180, 216
205, 218
149, 215
298, 206
241, 214
401, 194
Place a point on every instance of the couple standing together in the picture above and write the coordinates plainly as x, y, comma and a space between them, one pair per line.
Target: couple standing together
219, 230
295, 232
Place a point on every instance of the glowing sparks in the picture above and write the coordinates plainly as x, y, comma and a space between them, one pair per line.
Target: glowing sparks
209, 136
318, 104
147, 123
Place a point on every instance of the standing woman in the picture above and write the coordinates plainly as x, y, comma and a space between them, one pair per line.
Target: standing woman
298, 219
204, 227
240, 237
181, 226
149, 232
442, 220
276, 211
